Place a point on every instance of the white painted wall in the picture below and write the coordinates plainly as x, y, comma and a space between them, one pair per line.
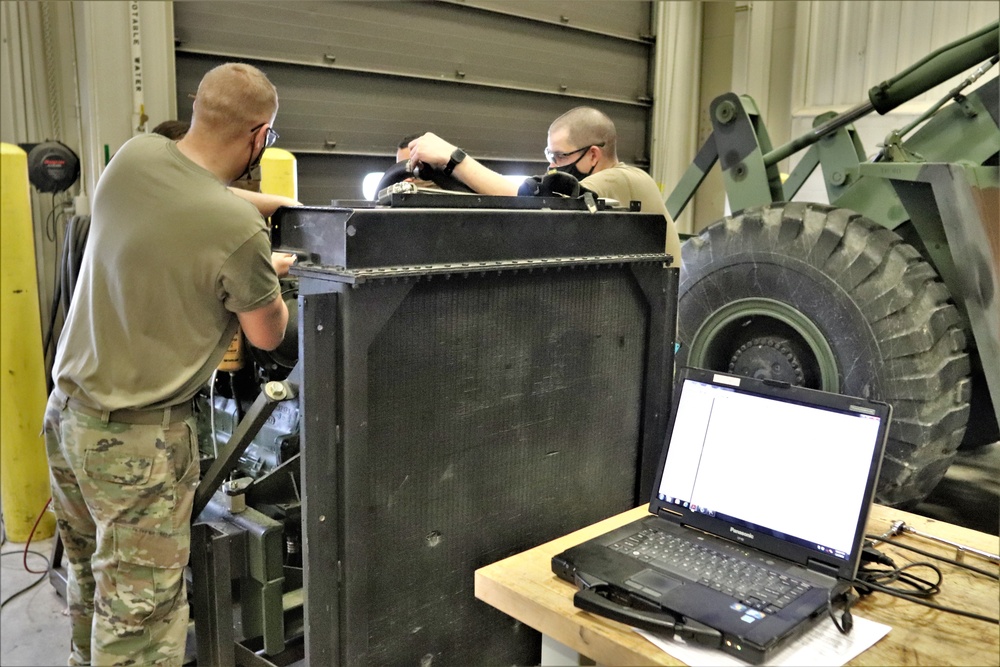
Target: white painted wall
68, 71
118, 81
800, 59
842, 49
67, 74
674, 131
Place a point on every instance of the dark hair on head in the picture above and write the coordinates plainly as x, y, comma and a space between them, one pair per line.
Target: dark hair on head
405, 141
172, 129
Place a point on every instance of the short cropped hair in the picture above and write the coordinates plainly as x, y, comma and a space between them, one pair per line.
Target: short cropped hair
172, 129
233, 98
405, 141
587, 126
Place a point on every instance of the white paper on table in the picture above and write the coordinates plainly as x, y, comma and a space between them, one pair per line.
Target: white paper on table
823, 646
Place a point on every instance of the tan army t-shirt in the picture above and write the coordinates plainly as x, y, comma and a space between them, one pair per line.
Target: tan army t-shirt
171, 255
627, 183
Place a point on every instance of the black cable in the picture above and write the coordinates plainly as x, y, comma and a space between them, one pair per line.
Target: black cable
53, 315
985, 573
869, 554
236, 398
871, 580
37, 581
911, 598
920, 588
80, 227
846, 621
50, 222
53, 310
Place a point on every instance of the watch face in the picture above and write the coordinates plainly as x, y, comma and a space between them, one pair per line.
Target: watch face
457, 156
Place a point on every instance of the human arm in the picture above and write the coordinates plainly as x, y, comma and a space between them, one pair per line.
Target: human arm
250, 288
282, 262
433, 150
264, 327
267, 204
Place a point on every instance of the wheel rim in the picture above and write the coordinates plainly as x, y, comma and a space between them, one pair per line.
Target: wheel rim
737, 333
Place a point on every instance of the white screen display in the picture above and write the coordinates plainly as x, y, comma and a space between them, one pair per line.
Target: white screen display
781, 466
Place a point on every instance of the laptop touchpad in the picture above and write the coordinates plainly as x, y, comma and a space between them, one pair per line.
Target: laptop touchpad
652, 583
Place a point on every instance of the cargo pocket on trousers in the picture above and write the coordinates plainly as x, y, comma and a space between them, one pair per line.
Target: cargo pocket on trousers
117, 467
149, 576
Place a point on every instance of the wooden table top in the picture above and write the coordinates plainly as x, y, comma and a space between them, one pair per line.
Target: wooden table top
524, 587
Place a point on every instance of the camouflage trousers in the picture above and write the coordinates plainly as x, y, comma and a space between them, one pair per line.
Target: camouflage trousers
122, 494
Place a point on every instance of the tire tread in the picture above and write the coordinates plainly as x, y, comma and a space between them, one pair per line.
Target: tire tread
919, 333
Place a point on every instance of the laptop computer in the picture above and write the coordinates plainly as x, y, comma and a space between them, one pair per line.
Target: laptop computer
757, 516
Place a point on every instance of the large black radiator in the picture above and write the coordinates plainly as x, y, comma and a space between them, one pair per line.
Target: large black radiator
475, 382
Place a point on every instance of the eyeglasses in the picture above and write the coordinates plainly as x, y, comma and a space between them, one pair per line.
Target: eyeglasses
556, 156
271, 137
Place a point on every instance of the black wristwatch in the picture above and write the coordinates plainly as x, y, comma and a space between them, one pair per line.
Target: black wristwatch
457, 156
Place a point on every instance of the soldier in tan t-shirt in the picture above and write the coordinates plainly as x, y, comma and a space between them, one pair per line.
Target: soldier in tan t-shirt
582, 142
174, 263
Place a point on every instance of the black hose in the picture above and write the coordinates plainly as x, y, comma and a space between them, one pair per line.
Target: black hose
70, 259
75, 243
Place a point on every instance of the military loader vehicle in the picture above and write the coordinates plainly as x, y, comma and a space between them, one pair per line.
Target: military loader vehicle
890, 290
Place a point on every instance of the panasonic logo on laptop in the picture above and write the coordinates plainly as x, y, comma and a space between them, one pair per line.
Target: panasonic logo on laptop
741, 533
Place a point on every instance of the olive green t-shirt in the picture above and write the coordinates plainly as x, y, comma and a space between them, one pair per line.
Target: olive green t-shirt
626, 183
171, 256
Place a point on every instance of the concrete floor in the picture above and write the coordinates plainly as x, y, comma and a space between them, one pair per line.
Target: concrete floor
34, 630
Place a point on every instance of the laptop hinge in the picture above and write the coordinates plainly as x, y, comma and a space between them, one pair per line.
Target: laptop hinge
823, 568
664, 510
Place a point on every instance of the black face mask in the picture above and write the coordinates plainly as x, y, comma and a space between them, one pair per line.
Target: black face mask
252, 164
572, 170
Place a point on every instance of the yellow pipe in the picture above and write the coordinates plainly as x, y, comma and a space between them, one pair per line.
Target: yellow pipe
278, 175
24, 475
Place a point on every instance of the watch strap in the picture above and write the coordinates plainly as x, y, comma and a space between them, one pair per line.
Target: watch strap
456, 157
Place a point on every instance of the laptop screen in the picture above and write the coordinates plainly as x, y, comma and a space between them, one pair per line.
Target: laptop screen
781, 467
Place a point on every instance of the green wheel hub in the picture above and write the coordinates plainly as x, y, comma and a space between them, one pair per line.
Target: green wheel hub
765, 338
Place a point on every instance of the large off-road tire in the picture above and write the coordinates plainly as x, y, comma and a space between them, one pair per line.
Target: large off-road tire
826, 298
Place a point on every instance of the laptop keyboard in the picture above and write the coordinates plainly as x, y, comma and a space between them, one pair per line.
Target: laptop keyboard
753, 585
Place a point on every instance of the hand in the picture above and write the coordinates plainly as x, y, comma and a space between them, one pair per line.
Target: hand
430, 149
282, 262
281, 200
267, 204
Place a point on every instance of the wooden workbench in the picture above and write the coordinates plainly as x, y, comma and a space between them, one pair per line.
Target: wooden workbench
524, 587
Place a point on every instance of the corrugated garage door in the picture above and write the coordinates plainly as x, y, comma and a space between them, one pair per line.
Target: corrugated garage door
356, 77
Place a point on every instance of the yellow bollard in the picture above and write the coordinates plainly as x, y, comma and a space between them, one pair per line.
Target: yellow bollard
278, 174
24, 475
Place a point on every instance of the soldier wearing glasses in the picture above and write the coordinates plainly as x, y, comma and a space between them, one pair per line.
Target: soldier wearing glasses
583, 143
174, 263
